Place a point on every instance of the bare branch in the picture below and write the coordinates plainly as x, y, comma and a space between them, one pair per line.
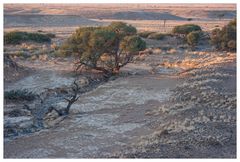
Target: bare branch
78, 98
67, 99
127, 60
53, 108
73, 98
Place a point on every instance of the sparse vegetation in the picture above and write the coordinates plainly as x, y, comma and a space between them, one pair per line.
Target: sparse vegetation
17, 37
145, 34
51, 35
19, 95
158, 36
153, 35
186, 29
225, 38
106, 49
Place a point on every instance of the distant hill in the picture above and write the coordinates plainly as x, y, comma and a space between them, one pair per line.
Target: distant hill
141, 15
225, 14
46, 20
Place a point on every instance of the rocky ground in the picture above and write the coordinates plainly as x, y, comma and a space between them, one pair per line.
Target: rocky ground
167, 103
170, 102
199, 120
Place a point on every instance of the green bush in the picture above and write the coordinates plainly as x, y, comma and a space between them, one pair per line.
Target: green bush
104, 48
17, 37
225, 38
185, 29
233, 23
132, 44
145, 34
19, 95
158, 36
51, 35
232, 45
122, 29
193, 38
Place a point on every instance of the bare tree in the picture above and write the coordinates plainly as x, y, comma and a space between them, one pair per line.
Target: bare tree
73, 98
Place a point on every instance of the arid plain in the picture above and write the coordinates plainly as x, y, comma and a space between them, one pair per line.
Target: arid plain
170, 101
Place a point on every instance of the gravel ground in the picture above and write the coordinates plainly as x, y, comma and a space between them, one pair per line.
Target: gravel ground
198, 122
169, 103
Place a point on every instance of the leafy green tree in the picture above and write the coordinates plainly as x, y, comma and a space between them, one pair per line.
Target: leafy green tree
104, 48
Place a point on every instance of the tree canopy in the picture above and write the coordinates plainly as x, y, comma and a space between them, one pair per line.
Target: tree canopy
104, 48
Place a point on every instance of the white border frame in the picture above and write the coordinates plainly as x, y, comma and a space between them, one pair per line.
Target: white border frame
115, 1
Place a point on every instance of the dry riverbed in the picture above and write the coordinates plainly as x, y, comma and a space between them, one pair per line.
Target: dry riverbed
167, 103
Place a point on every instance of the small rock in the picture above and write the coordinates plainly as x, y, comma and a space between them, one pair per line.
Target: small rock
83, 81
50, 119
193, 97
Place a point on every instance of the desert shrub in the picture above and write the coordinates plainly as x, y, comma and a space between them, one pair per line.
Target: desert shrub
185, 29
51, 35
17, 37
225, 38
135, 44
158, 36
232, 45
19, 95
233, 23
22, 54
145, 34
193, 38
215, 37
104, 48
122, 29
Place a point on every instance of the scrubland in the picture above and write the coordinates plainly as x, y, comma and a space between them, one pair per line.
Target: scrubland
175, 99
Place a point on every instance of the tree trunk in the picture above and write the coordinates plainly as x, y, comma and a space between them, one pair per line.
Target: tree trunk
116, 69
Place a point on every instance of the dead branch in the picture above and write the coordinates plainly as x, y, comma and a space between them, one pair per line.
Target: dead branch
75, 89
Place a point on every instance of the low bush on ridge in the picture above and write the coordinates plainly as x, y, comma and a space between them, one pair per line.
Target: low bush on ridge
22, 94
145, 34
186, 29
158, 36
17, 37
